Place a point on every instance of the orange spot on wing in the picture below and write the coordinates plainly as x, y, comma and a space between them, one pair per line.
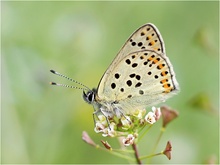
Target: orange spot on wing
152, 42
166, 85
164, 73
150, 58
168, 88
167, 91
155, 61
163, 81
160, 66
149, 37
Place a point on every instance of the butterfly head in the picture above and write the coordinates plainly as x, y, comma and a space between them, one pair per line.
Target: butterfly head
89, 95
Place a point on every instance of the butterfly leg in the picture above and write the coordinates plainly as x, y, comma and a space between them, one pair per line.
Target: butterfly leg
127, 119
94, 120
107, 114
108, 122
104, 114
119, 114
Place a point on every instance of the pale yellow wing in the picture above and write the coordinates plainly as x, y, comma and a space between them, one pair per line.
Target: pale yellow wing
141, 75
147, 37
139, 80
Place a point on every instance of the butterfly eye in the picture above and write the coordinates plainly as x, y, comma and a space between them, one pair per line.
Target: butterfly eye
89, 96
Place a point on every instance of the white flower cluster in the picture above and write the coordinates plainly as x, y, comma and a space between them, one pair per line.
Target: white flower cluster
102, 126
126, 125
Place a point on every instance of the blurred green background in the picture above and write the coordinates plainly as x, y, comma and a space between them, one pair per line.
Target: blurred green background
43, 124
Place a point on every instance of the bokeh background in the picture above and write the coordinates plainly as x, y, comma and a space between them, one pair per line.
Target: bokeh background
43, 124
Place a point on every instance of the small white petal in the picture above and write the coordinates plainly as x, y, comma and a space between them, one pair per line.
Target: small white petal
102, 119
139, 113
128, 140
99, 127
157, 113
154, 109
150, 118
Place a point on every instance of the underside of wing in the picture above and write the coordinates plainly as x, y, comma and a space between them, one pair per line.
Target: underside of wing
147, 37
140, 79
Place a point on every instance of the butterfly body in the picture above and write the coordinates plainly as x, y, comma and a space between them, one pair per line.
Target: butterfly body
108, 108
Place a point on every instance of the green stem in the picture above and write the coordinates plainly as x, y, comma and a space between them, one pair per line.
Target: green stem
115, 153
162, 130
158, 139
150, 156
121, 150
121, 155
142, 135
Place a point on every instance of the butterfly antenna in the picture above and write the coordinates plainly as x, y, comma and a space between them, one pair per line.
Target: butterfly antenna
68, 86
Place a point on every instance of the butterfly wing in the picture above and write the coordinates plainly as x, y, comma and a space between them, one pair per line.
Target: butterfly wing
147, 37
128, 81
139, 80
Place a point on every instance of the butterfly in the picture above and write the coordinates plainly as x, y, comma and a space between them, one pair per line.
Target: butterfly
141, 75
